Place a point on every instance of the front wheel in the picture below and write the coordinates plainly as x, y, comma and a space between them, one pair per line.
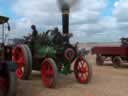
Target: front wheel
82, 70
49, 73
8, 84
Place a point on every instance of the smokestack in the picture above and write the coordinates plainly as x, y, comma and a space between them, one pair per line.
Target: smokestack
65, 20
64, 6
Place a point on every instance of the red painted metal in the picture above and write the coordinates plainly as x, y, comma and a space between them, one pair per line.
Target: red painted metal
19, 58
81, 69
4, 84
47, 73
110, 51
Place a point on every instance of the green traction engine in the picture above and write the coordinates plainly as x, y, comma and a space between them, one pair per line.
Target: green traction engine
52, 53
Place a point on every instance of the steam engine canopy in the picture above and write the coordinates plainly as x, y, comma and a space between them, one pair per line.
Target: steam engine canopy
3, 19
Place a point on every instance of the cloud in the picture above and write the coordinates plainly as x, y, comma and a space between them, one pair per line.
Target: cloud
120, 13
86, 22
105, 30
84, 18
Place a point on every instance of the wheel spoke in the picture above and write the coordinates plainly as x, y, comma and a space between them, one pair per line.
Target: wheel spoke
82, 63
20, 72
44, 70
82, 67
84, 76
48, 73
21, 61
81, 76
78, 68
86, 73
19, 58
81, 70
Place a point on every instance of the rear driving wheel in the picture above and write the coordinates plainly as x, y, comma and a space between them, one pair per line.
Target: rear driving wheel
23, 59
83, 70
49, 73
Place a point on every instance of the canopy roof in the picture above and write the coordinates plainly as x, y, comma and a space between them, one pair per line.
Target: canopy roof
3, 19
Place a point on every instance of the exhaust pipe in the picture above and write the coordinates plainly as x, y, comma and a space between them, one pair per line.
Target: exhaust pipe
65, 21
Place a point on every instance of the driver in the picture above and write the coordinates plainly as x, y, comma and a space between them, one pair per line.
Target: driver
34, 31
34, 36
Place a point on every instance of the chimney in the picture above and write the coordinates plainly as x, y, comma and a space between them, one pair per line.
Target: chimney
65, 19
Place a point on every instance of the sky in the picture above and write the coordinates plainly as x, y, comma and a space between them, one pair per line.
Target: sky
90, 20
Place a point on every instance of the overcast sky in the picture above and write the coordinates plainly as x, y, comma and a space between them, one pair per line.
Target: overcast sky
90, 20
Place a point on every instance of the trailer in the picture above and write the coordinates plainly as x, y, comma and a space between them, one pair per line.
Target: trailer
117, 54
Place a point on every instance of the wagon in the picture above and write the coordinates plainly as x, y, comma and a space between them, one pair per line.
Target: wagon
51, 53
7, 67
117, 54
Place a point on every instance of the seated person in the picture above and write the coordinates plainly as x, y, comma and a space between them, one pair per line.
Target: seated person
58, 37
66, 37
124, 41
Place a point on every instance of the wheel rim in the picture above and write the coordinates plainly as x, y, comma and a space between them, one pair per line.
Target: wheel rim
81, 70
19, 58
47, 74
4, 84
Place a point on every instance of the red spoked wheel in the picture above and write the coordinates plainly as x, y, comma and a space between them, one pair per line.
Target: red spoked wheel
49, 73
23, 58
8, 85
82, 70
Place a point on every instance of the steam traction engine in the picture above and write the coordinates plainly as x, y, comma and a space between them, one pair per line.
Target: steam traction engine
117, 54
7, 67
52, 53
